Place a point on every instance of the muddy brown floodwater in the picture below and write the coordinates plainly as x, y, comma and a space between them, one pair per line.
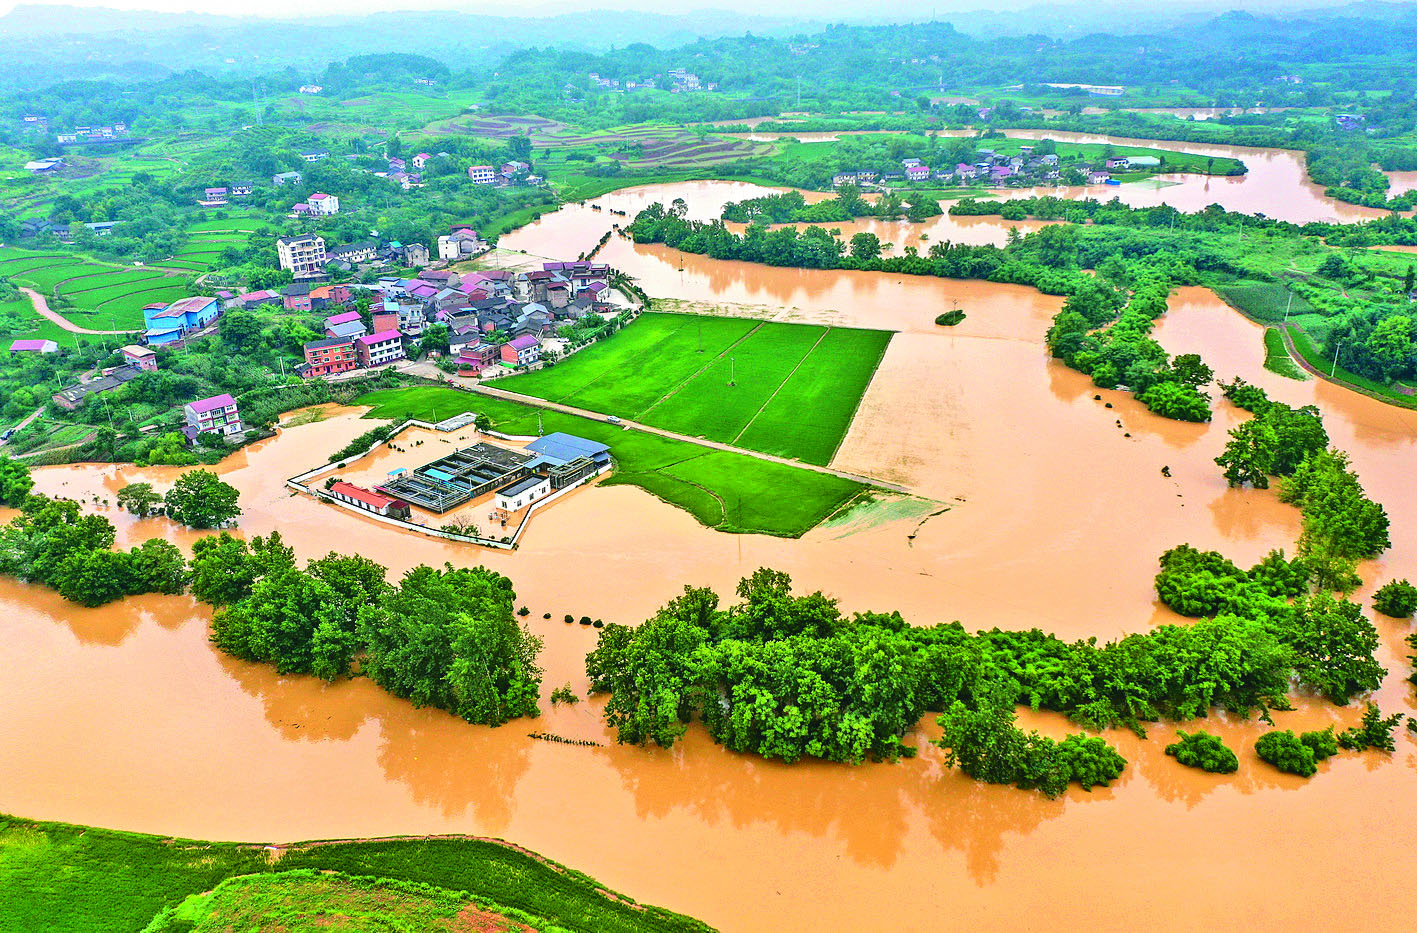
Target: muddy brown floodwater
127, 717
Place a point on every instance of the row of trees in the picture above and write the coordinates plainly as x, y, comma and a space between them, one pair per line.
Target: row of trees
788, 677
792, 207
442, 637
1341, 524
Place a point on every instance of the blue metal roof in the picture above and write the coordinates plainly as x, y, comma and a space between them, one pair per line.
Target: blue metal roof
567, 447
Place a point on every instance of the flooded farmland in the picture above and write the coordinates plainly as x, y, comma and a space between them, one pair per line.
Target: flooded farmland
1055, 517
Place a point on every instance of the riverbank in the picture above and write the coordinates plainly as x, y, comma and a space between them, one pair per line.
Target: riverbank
60, 877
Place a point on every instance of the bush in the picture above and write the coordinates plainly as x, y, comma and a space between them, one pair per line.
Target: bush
950, 318
1323, 743
1205, 751
1397, 599
523, 612
585, 620
1375, 731
569, 618
564, 694
1286, 752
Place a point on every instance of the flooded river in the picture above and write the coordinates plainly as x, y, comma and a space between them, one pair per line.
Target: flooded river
126, 717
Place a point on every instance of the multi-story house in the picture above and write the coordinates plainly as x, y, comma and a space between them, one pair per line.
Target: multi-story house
303, 255
216, 415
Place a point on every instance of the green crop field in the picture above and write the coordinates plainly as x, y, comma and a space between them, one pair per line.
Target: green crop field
724, 490
59, 878
785, 389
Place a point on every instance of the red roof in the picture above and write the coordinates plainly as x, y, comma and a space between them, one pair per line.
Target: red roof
374, 499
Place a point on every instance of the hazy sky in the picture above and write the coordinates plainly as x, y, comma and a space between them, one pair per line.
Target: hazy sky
806, 9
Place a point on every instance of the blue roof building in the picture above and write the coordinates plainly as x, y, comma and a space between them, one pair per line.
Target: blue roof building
168, 323
567, 447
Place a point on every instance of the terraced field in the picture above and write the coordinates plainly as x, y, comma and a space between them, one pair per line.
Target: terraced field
784, 389
660, 146
104, 296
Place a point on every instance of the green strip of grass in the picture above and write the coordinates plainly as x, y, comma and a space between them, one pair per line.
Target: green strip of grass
757, 496
1277, 358
58, 878
1310, 351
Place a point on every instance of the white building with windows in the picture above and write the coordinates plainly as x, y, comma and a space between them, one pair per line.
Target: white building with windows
303, 255
324, 204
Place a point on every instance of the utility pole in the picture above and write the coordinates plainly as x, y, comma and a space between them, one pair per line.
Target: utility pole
1333, 369
732, 371
1287, 305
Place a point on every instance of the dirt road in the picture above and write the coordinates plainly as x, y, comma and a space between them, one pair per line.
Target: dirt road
42, 306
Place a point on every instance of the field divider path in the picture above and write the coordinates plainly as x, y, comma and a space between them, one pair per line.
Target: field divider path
701, 370
768, 401
41, 306
609, 372
535, 402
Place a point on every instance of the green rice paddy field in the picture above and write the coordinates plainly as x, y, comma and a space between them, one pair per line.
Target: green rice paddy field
784, 389
727, 491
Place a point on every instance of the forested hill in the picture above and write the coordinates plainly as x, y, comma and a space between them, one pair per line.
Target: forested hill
71, 43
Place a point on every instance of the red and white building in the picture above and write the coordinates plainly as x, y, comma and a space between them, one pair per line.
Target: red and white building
378, 349
482, 174
369, 500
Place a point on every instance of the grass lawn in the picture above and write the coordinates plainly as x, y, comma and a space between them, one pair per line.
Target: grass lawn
785, 389
723, 490
300, 901
33, 327
57, 877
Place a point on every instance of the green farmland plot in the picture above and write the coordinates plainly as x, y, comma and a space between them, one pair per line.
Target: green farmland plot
728, 491
784, 389
722, 400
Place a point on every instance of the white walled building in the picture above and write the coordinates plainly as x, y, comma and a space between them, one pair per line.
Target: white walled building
303, 255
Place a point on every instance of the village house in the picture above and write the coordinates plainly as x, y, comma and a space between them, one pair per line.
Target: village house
315, 155
170, 323
323, 204
33, 346
345, 324
481, 174
917, 172
521, 351
370, 501
293, 178
250, 300
214, 197
379, 349
420, 160
477, 354
303, 255
363, 251
215, 415
242, 190
142, 357
296, 297
330, 355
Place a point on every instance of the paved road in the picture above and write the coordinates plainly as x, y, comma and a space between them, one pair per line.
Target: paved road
485, 389
42, 306
32, 415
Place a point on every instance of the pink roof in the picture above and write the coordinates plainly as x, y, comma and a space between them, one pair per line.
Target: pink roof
525, 341
341, 318
317, 197
203, 405
383, 336
19, 345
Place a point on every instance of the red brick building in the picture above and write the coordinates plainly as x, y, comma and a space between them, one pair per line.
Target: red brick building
331, 355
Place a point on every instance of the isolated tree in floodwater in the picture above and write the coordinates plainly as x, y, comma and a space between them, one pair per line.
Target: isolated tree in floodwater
200, 500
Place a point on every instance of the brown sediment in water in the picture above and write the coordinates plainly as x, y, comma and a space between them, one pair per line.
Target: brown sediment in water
127, 717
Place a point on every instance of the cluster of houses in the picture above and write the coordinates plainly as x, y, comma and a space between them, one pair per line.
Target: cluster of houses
307, 259
496, 317
677, 81
84, 134
515, 172
992, 169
